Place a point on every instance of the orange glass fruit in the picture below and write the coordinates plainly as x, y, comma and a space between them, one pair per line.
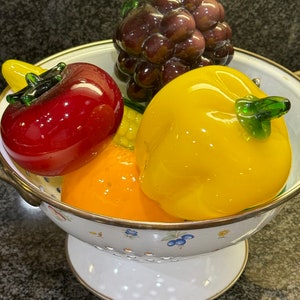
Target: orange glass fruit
109, 186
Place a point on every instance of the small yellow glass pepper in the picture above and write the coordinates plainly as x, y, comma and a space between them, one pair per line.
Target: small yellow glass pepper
14, 72
210, 144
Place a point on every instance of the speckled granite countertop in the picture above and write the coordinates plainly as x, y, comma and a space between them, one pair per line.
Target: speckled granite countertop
33, 263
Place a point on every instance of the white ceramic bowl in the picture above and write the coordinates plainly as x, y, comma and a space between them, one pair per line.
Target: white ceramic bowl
151, 241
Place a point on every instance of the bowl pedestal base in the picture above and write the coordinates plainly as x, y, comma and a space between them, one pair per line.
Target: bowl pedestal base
113, 277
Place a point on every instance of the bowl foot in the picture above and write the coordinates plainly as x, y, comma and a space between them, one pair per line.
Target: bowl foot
112, 277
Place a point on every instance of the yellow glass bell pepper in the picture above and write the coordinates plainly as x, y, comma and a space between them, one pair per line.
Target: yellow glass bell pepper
210, 144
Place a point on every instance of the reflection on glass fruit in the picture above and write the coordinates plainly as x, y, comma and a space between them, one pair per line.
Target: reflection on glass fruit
158, 40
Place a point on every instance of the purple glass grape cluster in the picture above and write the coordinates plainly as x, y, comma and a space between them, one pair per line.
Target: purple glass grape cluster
158, 40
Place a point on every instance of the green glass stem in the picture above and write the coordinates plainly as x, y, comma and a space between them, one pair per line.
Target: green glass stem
255, 114
128, 5
37, 85
134, 105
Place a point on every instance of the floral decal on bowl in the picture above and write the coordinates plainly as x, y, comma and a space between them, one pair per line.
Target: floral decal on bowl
97, 234
131, 233
58, 214
177, 238
223, 233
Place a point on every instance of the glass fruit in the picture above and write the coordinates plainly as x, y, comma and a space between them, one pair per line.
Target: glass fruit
158, 40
